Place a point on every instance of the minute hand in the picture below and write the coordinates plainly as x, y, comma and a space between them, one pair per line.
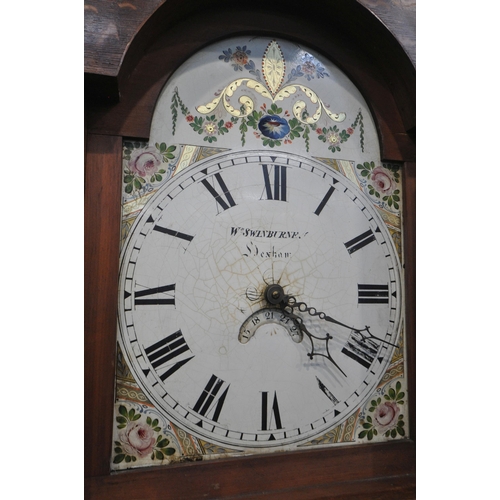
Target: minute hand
292, 303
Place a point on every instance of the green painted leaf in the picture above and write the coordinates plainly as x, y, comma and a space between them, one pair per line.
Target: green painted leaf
163, 443
362, 434
128, 459
136, 417
169, 451
121, 420
128, 178
118, 450
119, 458
159, 455
123, 411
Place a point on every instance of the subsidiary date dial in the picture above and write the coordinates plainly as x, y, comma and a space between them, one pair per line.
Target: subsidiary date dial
233, 367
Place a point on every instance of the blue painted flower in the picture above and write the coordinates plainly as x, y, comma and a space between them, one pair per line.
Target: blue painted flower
274, 126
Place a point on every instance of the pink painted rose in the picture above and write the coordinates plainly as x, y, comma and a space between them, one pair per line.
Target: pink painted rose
382, 181
145, 162
386, 415
137, 439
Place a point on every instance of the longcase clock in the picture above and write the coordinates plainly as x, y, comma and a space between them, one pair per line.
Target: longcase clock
261, 294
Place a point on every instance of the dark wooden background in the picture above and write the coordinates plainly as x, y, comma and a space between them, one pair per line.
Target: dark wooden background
131, 48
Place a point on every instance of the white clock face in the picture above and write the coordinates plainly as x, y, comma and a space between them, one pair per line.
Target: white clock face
203, 342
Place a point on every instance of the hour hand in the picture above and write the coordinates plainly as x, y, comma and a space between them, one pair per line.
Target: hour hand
300, 325
276, 296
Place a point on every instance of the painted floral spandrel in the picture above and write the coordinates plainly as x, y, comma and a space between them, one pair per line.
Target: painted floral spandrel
139, 438
385, 418
382, 183
144, 166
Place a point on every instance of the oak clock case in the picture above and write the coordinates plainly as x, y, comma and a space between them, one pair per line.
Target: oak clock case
260, 306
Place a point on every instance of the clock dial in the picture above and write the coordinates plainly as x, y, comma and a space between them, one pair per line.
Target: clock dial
206, 344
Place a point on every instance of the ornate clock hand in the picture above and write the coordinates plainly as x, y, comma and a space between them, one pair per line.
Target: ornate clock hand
291, 302
275, 295
300, 325
302, 306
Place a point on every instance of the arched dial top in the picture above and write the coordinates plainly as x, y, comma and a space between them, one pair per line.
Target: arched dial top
210, 278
